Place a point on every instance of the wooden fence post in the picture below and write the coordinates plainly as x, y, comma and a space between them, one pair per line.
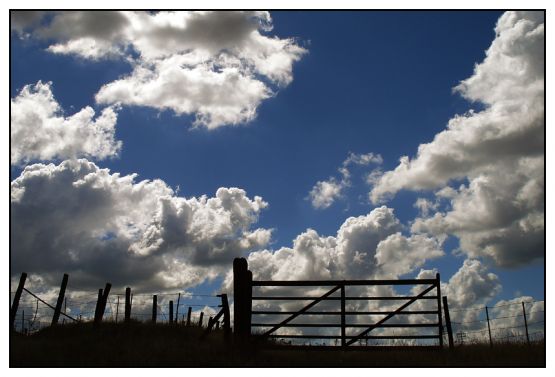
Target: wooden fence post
227, 321
188, 317
209, 325
117, 309
103, 301
127, 304
154, 307
242, 296
489, 329
343, 339
525, 324
98, 301
23, 321
60, 300
177, 307
200, 319
171, 311
448, 322
17, 297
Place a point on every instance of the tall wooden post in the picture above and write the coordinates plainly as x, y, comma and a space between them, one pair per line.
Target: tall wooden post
154, 307
239, 271
248, 303
448, 322
171, 311
127, 304
200, 319
188, 317
177, 307
489, 329
60, 300
17, 297
440, 322
525, 324
343, 339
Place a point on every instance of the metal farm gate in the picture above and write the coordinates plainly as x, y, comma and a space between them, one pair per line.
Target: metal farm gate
246, 319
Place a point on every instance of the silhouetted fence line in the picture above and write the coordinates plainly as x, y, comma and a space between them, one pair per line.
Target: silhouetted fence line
29, 311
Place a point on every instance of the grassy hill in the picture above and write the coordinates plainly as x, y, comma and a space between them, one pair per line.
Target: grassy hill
141, 345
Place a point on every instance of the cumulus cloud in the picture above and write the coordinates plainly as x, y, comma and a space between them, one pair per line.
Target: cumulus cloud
498, 151
41, 131
364, 247
325, 193
218, 66
100, 226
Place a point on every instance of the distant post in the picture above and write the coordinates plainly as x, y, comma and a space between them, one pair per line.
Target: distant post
60, 300
177, 307
525, 324
200, 319
154, 307
171, 311
127, 304
448, 322
489, 329
117, 309
17, 297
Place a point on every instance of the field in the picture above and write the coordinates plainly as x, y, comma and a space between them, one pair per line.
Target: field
142, 345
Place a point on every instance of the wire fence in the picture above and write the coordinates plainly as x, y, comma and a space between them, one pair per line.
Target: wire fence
34, 314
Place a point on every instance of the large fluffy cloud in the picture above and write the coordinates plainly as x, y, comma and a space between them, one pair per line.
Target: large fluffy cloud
498, 150
41, 131
218, 66
97, 226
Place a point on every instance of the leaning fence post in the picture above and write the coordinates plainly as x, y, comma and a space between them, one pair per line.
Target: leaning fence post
440, 322
127, 304
171, 311
188, 317
117, 309
489, 329
98, 301
525, 324
154, 307
448, 322
200, 319
60, 300
102, 305
227, 322
17, 297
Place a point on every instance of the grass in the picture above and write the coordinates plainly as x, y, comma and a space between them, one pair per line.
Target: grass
143, 345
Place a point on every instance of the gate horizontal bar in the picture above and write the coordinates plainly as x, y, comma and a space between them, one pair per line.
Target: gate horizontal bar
346, 298
346, 313
363, 337
337, 325
310, 283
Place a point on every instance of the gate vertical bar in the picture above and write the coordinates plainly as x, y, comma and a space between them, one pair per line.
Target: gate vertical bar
60, 300
171, 311
448, 322
489, 329
525, 324
440, 322
17, 297
343, 315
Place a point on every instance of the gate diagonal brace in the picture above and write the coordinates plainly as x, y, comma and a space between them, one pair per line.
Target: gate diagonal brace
290, 318
365, 332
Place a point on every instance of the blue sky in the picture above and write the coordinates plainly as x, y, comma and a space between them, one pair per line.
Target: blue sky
367, 82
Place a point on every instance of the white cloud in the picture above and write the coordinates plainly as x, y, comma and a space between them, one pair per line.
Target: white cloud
498, 150
218, 66
41, 131
325, 193
97, 226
